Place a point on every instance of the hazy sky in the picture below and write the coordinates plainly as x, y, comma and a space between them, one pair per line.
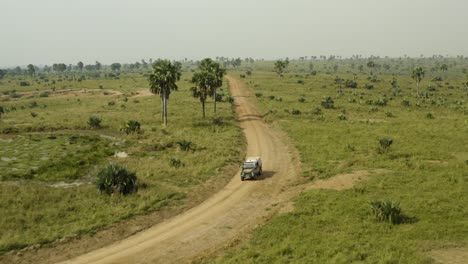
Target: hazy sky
48, 31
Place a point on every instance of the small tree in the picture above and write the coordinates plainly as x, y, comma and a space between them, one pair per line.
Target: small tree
116, 66
280, 66
31, 69
80, 65
417, 74
116, 179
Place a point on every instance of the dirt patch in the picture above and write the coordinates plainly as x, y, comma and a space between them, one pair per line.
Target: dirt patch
450, 255
437, 162
346, 180
143, 93
66, 184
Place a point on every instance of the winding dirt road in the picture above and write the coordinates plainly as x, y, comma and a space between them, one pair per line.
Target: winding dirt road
235, 210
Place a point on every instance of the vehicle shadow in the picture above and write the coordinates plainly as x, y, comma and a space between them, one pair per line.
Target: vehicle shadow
265, 175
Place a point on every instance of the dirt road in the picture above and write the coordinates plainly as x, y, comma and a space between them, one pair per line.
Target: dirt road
236, 209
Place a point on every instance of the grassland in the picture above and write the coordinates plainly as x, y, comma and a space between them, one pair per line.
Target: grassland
50, 155
426, 168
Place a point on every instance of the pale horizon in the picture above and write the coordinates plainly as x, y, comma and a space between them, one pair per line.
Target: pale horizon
54, 31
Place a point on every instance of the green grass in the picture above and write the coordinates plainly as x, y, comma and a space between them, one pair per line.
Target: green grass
426, 167
58, 146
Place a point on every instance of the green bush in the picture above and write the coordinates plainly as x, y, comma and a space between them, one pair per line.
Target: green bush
184, 145
384, 144
116, 179
94, 122
350, 83
175, 162
131, 127
386, 211
429, 116
327, 102
295, 112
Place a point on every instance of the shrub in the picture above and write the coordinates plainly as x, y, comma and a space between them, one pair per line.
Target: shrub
350, 83
389, 114
327, 102
2, 110
378, 102
116, 179
300, 82
342, 116
386, 211
184, 145
230, 99
295, 112
317, 111
384, 144
111, 103
258, 95
302, 100
131, 127
44, 94
23, 83
175, 162
242, 76
33, 114
94, 122
429, 116
33, 104
406, 102
369, 86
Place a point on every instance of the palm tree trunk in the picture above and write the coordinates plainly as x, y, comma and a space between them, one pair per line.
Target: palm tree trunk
162, 108
165, 112
164, 105
214, 96
203, 108
417, 88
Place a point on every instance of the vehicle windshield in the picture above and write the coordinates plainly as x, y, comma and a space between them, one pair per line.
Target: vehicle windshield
248, 165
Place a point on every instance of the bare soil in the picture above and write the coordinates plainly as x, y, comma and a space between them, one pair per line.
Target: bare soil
223, 218
346, 180
450, 255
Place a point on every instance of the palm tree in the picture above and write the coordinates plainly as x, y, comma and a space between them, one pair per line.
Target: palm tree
215, 68
162, 80
204, 81
417, 74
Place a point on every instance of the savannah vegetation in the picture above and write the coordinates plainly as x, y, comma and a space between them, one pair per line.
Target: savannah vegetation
407, 116
84, 146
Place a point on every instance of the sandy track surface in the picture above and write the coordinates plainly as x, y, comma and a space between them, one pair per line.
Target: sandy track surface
233, 211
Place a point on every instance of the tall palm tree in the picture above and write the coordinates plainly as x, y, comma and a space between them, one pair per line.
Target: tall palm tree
204, 81
162, 80
215, 68
417, 74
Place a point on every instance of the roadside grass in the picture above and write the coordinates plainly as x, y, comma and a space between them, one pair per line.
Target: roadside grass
427, 168
43, 156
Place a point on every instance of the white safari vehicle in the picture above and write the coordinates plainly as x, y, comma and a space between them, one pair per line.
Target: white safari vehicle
251, 169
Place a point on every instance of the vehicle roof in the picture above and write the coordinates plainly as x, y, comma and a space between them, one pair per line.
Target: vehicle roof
252, 159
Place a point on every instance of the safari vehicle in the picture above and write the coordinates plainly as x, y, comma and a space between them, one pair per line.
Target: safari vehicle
251, 169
